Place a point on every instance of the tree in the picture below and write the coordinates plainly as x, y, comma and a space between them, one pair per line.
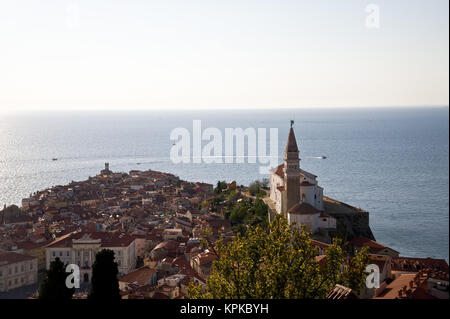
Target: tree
256, 189
247, 212
104, 283
276, 263
265, 183
54, 285
221, 185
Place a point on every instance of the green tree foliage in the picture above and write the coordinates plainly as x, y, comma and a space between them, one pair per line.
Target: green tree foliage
247, 212
221, 185
279, 262
265, 183
256, 189
54, 285
104, 283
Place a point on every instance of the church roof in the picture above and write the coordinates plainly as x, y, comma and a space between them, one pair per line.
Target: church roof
291, 145
303, 209
306, 184
279, 170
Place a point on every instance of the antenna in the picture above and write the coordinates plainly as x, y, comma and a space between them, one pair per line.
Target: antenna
292, 123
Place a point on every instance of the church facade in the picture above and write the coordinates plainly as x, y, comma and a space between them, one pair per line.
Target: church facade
295, 193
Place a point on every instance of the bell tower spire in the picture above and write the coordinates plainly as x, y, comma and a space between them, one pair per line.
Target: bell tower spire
291, 172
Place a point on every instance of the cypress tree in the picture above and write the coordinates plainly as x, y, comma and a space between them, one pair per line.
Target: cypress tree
104, 283
54, 285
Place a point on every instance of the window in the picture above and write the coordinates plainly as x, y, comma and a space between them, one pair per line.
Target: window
54, 254
31, 266
1, 273
16, 270
22, 268
60, 254
68, 254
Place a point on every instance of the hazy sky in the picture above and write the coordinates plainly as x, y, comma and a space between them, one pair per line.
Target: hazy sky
91, 54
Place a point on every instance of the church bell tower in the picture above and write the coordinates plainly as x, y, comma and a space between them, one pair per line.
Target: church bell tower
291, 173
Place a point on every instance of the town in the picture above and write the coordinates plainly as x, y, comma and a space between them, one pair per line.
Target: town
154, 223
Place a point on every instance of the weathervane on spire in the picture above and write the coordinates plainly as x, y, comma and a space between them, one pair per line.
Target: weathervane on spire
292, 123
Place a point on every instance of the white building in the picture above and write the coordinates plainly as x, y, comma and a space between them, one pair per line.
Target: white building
17, 270
296, 194
81, 248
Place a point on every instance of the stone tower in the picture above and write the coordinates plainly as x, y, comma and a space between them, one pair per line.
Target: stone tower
291, 171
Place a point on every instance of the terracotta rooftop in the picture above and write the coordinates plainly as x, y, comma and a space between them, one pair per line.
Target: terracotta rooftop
405, 286
140, 276
303, 209
306, 184
107, 239
374, 247
416, 264
8, 257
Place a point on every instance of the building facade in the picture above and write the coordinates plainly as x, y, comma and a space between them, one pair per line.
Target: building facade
295, 193
81, 248
17, 270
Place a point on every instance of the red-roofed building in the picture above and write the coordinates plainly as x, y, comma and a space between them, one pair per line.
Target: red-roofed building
374, 247
81, 248
140, 277
17, 270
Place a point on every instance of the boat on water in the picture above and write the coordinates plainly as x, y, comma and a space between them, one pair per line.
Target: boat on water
54, 159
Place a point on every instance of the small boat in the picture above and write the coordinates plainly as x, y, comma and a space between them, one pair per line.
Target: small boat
324, 157
54, 159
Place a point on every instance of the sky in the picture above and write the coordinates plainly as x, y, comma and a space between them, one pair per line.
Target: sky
193, 54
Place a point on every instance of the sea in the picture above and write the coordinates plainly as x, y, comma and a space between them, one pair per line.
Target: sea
392, 162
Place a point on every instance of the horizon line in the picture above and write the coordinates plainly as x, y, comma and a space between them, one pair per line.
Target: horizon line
170, 109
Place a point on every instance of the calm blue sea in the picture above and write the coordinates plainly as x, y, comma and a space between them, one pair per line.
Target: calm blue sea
391, 162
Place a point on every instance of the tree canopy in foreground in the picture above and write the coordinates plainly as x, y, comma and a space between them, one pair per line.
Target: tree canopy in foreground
104, 283
54, 285
279, 262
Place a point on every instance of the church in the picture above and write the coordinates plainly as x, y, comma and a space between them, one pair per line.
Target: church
296, 194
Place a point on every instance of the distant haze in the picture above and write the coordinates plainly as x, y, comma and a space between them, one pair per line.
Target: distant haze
179, 54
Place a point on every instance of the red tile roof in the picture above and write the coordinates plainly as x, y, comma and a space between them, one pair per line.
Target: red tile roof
279, 170
9, 257
306, 184
140, 276
108, 239
303, 209
374, 247
407, 286
415, 264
